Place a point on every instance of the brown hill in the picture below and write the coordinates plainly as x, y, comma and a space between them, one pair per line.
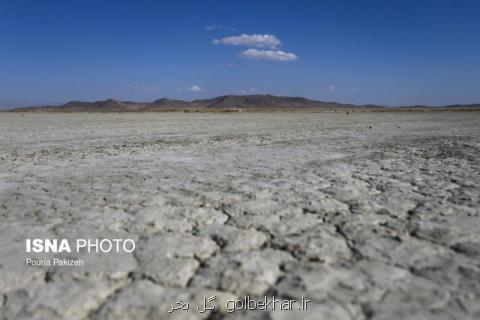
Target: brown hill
265, 101
228, 102
108, 105
223, 102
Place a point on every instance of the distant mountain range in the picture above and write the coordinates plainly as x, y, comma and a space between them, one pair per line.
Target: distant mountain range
222, 103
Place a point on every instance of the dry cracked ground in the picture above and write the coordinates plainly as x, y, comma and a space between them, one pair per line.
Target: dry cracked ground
369, 215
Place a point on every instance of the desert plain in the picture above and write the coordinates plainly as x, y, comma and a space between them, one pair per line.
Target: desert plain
371, 215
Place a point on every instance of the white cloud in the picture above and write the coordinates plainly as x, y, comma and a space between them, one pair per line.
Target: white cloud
195, 88
277, 55
214, 27
356, 90
253, 40
331, 88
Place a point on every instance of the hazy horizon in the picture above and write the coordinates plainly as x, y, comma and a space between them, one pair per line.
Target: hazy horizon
213, 97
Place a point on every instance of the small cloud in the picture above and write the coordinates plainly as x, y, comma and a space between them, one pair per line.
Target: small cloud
253, 40
145, 89
195, 88
331, 88
230, 65
355, 90
214, 27
268, 55
247, 91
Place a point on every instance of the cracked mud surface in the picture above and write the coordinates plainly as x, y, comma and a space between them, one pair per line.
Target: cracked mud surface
369, 215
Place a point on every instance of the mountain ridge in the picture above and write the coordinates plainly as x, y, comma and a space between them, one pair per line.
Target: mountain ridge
225, 102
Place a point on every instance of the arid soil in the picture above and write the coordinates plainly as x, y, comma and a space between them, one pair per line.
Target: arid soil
368, 215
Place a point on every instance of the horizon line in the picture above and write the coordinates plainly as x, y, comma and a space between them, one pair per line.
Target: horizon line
46, 105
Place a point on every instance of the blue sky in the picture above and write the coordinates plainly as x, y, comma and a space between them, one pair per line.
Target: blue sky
384, 52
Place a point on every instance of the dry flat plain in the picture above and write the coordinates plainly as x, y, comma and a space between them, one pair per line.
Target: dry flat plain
369, 215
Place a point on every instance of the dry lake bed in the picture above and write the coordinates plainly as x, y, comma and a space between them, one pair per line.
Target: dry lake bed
368, 215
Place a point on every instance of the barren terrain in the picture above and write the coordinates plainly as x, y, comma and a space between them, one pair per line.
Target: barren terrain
369, 215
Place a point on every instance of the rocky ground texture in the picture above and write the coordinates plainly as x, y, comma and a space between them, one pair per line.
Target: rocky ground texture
369, 215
